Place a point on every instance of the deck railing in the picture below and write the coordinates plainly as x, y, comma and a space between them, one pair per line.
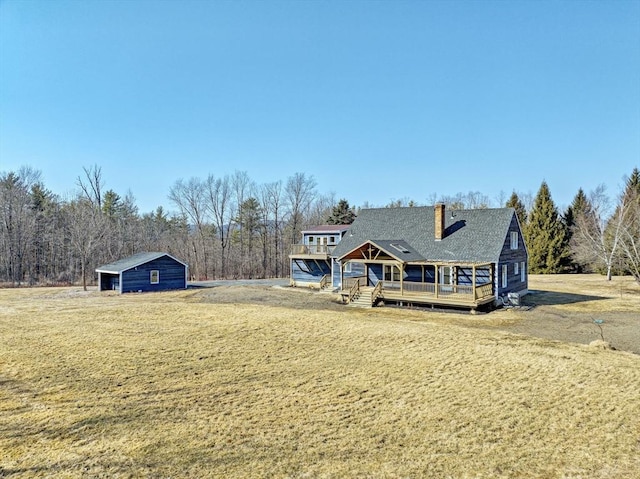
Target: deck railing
349, 281
484, 290
320, 249
376, 292
414, 291
326, 279
354, 290
440, 290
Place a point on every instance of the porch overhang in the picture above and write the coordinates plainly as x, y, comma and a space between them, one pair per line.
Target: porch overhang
382, 250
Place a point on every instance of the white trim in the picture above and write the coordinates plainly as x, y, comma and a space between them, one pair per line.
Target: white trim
157, 274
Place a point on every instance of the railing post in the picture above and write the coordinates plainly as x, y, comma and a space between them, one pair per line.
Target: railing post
473, 281
435, 284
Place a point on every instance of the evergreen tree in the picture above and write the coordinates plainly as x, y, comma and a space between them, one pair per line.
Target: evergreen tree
111, 205
579, 208
546, 236
248, 220
632, 186
515, 203
341, 214
629, 257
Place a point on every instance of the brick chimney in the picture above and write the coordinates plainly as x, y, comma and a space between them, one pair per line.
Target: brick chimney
439, 215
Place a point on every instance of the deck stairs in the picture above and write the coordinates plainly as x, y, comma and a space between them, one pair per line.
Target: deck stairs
363, 299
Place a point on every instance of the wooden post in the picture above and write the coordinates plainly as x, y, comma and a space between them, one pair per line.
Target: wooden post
473, 281
435, 289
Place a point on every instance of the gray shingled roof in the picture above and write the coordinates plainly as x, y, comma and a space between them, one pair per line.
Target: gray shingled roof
132, 261
471, 235
399, 249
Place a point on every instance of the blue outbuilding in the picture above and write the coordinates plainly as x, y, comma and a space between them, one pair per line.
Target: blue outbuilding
143, 272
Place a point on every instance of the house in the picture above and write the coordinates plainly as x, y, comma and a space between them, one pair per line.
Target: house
310, 261
428, 256
143, 272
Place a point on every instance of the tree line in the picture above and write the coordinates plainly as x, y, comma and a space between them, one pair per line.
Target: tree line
230, 227
596, 233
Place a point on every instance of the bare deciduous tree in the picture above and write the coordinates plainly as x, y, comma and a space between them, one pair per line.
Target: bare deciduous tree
219, 201
91, 185
86, 227
300, 192
596, 234
272, 205
630, 233
17, 221
190, 199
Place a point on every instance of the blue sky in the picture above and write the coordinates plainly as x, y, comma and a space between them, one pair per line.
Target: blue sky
377, 100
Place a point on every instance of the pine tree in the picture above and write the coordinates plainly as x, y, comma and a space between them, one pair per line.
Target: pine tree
341, 214
546, 236
579, 208
521, 212
632, 187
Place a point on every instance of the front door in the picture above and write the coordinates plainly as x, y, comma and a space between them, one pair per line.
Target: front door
323, 242
446, 277
391, 276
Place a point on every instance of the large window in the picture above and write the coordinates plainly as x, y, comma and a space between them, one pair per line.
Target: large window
514, 240
155, 276
505, 275
391, 273
522, 271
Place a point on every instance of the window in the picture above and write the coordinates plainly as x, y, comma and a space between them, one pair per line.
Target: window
505, 275
155, 276
515, 268
400, 248
446, 275
522, 272
514, 240
347, 267
311, 239
391, 273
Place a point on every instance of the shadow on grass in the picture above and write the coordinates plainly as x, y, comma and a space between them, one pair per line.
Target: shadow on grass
553, 298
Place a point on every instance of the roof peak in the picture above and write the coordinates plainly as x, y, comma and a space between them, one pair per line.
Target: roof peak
431, 207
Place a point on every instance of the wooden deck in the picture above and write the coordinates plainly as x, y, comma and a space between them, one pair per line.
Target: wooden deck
323, 283
466, 296
305, 251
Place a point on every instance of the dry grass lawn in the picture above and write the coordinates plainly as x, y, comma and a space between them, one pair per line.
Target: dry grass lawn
173, 385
